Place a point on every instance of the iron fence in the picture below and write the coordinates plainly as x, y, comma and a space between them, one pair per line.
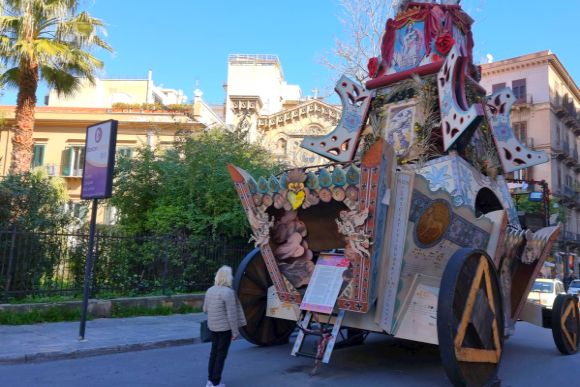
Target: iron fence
45, 264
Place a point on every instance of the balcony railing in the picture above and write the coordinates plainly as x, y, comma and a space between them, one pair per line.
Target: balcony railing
528, 99
61, 170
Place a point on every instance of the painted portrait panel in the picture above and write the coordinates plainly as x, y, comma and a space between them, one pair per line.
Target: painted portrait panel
399, 131
409, 46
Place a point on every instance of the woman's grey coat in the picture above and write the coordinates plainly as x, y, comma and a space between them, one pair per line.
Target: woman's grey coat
224, 311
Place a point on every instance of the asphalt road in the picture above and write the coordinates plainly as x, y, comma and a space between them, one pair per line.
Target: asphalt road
530, 359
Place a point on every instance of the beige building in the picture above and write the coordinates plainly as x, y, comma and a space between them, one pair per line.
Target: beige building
59, 131
546, 116
258, 101
274, 113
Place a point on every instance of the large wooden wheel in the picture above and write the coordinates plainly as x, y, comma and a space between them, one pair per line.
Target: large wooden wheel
566, 323
470, 319
251, 285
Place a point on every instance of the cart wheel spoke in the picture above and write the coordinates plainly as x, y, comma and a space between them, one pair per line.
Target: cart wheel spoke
566, 323
470, 319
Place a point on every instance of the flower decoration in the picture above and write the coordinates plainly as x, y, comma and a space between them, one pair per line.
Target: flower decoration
373, 67
444, 43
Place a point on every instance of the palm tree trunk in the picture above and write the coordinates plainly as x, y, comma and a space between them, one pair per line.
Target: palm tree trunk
22, 142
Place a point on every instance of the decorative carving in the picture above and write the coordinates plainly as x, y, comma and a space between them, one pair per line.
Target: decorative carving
536, 243
357, 242
309, 109
261, 224
456, 117
512, 153
341, 143
292, 254
514, 240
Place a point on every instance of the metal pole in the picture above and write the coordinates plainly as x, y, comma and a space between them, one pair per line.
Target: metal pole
88, 266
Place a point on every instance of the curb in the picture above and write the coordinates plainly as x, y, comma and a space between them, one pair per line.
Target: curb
81, 353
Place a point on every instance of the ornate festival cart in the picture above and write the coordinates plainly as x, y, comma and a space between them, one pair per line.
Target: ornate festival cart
411, 230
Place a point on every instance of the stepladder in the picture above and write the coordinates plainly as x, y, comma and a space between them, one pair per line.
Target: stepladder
326, 327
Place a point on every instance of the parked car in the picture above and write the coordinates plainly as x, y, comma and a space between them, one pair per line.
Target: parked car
544, 291
574, 287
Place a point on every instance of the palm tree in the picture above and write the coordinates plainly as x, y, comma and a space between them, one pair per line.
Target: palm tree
44, 40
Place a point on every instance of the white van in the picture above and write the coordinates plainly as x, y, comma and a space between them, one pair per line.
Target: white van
544, 291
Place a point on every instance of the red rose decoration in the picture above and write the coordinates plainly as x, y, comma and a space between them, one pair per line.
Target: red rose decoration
373, 67
444, 43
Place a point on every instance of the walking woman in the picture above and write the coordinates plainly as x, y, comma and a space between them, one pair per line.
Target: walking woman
224, 317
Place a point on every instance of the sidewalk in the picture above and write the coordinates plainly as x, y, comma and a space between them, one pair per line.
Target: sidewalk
49, 341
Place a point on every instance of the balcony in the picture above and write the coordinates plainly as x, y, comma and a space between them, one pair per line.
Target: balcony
524, 102
571, 158
569, 237
557, 150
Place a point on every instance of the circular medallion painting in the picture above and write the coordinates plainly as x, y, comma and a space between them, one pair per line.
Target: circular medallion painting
433, 223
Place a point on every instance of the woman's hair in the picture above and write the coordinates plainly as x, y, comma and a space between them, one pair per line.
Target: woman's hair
224, 276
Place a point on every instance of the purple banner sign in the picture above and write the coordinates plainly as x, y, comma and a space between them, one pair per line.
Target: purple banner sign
99, 160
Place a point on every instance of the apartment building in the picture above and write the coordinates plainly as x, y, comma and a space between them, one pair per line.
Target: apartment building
59, 131
546, 116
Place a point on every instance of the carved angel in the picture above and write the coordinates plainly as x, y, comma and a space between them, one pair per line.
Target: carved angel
261, 225
357, 242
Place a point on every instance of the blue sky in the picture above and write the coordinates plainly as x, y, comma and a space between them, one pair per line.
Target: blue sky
184, 41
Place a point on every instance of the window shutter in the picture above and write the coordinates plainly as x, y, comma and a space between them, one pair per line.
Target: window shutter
66, 158
38, 155
519, 88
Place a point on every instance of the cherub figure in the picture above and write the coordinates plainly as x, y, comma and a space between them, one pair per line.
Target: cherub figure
261, 225
357, 242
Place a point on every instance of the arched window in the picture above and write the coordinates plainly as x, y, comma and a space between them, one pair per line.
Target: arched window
281, 146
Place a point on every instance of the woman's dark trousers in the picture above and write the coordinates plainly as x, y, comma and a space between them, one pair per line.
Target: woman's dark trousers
220, 343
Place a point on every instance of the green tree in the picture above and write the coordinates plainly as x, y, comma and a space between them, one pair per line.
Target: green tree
188, 189
44, 40
34, 202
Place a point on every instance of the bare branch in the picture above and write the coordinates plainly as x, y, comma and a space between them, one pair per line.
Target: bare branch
364, 24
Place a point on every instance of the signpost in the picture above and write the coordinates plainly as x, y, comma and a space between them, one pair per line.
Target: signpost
101, 140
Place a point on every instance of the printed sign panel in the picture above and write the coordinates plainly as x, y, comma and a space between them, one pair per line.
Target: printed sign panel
99, 162
325, 284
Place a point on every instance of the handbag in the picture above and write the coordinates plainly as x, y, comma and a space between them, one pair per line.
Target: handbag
204, 332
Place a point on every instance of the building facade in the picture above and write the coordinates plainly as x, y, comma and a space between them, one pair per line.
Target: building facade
546, 116
272, 112
59, 129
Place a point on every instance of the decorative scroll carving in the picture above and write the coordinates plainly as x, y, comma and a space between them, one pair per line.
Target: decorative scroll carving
512, 153
341, 143
456, 116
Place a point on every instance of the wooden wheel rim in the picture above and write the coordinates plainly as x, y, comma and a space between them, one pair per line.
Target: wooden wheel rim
470, 319
251, 285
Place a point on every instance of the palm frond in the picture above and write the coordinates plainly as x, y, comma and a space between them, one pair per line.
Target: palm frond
10, 77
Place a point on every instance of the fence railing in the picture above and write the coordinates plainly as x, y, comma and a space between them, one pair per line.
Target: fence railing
44, 264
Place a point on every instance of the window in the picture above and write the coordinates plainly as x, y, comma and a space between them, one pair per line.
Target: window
110, 216
37, 155
497, 87
281, 146
519, 89
521, 131
126, 152
73, 159
77, 209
